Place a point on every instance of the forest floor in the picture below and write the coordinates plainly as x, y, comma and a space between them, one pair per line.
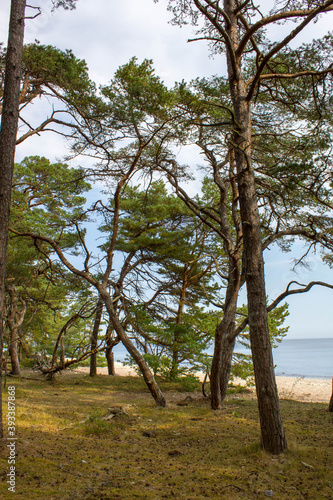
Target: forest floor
98, 438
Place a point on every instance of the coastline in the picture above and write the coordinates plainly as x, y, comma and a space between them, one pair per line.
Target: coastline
308, 390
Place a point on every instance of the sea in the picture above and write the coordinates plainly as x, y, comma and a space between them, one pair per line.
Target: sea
308, 358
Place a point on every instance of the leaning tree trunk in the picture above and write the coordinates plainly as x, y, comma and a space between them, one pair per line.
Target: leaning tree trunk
136, 355
8, 133
272, 432
94, 338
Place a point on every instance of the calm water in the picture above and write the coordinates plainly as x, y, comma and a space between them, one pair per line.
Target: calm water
308, 358
304, 357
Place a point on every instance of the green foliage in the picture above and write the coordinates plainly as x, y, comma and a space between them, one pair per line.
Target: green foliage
242, 367
151, 220
47, 199
168, 278
51, 66
189, 383
242, 363
27, 362
165, 250
276, 319
158, 362
47, 70
292, 188
135, 94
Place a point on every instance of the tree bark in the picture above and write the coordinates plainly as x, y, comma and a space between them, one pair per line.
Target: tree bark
8, 134
14, 321
20, 352
225, 338
13, 352
177, 337
221, 367
110, 361
94, 337
136, 355
110, 343
272, 432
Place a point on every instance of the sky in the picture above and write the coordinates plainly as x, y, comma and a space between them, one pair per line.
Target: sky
107, 33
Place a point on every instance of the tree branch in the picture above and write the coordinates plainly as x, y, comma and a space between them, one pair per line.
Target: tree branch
278, 17
55, 245
313, 13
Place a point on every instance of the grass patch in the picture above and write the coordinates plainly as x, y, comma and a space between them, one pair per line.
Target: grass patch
69, 445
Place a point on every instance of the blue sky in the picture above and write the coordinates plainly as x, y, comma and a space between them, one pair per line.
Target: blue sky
107, 34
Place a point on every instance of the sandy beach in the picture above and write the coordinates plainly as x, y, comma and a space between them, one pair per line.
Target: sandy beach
310, 390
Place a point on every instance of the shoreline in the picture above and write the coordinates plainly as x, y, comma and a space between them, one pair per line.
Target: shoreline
307, 390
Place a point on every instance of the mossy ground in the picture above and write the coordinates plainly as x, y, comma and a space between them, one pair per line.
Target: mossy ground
66, 450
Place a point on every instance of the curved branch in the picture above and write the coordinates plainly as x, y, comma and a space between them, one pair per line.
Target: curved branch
67, 325
55, 245
283, 43
288, 292
278, 17
281, 297
295, 75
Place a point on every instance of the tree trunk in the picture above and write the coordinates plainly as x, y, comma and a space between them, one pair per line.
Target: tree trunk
14, 320
175, 359
13, 333
20, 352
174, 371
225, 338
13, 352
136, 355
330, 406
221, 367
7, 142
94, 337
272, 433
110, 361
110, 343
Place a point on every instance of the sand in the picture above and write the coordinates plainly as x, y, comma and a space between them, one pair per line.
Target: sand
310, 390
